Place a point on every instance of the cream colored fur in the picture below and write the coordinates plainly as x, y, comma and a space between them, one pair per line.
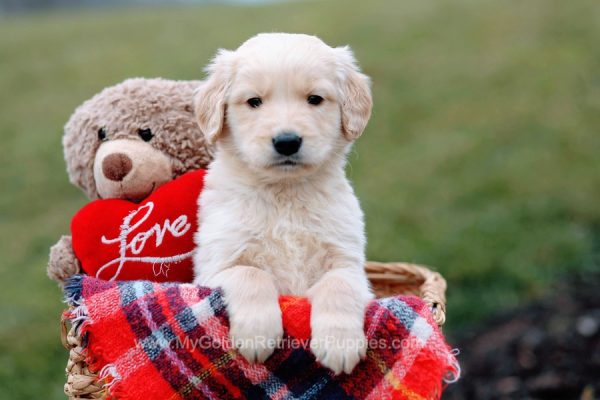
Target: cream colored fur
269, 229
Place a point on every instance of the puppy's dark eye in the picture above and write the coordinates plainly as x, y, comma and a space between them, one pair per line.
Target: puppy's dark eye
102, 136
254, 102
314, 99
146, 134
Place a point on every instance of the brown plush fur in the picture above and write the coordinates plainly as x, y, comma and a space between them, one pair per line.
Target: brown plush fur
163, 106
178, 145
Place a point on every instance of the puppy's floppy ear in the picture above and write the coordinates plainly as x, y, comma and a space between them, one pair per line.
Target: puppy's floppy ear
356, 100
211, 96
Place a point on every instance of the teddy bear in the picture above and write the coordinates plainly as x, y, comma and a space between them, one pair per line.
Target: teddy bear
124, 143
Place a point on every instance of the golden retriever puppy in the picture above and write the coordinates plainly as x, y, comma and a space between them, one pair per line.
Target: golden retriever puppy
277, 214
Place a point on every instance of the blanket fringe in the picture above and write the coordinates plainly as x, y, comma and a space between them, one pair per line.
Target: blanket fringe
79, 316
82, 380
73, 290
453, 373
110, 375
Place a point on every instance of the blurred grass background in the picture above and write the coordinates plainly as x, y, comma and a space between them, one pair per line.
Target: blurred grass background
481, 159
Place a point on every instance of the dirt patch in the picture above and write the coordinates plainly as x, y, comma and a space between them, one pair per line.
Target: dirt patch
546, 350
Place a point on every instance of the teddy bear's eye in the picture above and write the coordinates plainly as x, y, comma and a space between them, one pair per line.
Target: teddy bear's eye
146, 134
102, 136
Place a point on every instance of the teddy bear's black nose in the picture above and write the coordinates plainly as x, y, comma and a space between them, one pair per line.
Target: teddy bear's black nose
116, 166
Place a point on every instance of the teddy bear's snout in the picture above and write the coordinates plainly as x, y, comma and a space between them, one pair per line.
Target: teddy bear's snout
116, 166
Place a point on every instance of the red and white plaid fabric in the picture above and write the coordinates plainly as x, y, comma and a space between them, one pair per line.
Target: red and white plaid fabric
145, 340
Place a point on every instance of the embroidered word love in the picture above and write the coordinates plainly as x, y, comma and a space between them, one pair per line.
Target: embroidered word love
132, 243
120, 240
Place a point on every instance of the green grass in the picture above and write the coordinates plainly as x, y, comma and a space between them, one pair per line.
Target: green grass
481, 159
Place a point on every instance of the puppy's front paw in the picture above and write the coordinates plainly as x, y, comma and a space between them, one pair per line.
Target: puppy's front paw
338, 345
256, 331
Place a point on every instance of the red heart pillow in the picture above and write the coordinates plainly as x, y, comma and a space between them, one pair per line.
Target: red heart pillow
116, 239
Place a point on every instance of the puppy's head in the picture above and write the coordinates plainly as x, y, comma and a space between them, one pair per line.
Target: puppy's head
284, 105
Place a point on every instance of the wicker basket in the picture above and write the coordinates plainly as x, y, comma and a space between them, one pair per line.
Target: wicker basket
388, 279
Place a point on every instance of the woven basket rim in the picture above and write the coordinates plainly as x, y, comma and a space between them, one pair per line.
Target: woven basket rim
400, 277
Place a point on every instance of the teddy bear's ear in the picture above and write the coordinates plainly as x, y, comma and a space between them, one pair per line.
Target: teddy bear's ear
211, 96
355, 94
79, 145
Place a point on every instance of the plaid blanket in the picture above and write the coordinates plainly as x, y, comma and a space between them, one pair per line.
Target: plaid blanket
146, 343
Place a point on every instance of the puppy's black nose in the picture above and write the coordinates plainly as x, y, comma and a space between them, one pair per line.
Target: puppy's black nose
287, 143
